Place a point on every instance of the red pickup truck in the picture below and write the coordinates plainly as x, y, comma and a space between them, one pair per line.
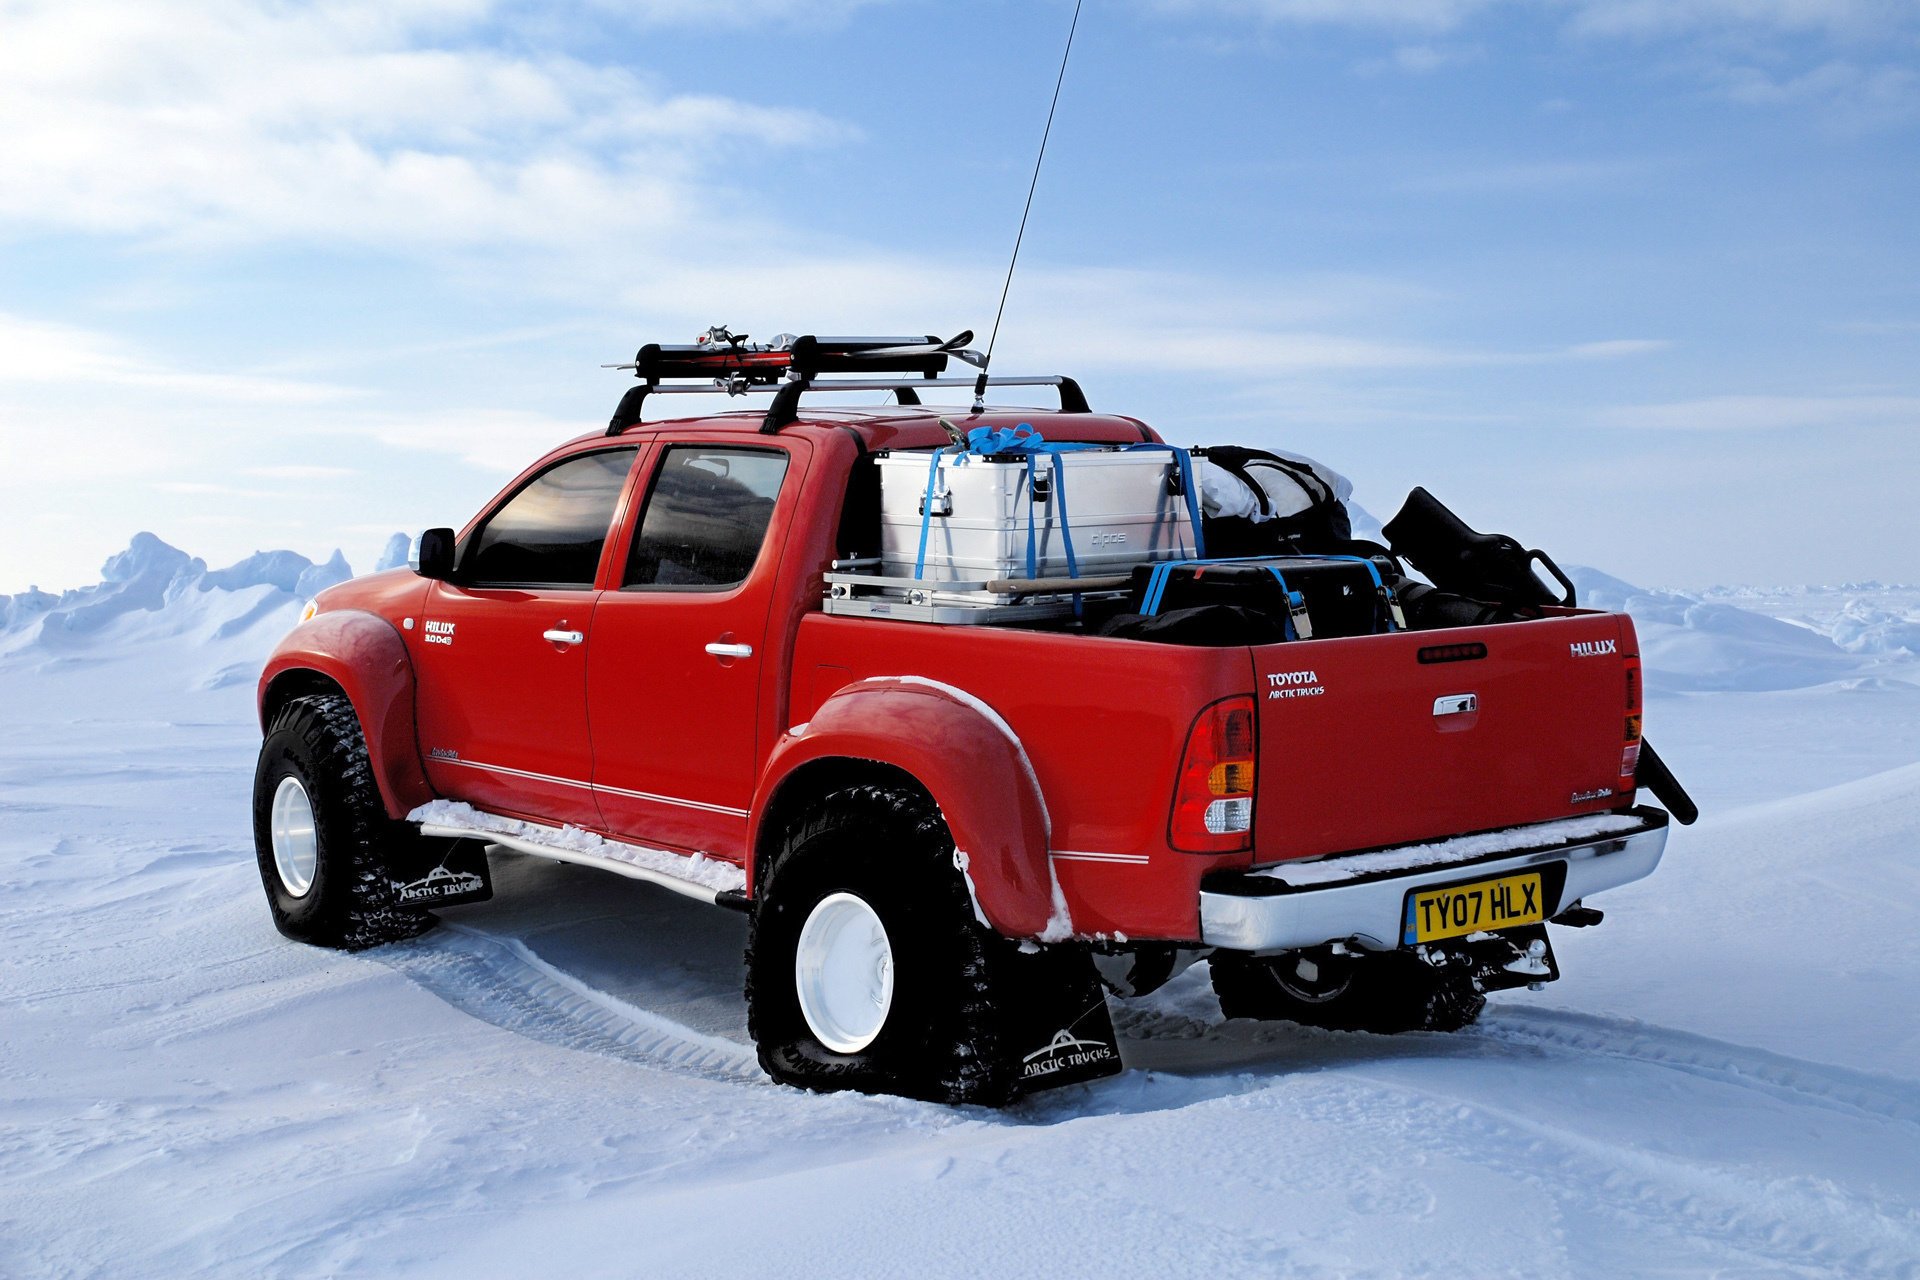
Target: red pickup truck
951, 841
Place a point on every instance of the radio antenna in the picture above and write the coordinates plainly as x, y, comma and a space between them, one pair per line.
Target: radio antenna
980, 383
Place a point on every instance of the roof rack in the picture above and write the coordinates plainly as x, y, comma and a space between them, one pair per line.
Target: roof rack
727, 362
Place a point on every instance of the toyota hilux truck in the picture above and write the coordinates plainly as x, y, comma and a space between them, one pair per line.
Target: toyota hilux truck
952, 842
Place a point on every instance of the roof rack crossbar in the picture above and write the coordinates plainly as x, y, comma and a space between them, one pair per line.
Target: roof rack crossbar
785, 405
784, 409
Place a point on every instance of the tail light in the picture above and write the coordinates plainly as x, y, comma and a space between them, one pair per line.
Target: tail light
1630, 753
1213, 803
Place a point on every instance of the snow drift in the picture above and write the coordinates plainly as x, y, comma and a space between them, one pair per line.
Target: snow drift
223, 621
158, 605
1688, 643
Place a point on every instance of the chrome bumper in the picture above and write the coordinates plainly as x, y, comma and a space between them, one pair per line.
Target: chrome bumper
1261, 911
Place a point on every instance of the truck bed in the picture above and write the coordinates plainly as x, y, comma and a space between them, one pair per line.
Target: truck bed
1352, 754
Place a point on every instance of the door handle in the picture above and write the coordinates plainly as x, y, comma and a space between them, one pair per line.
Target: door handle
564, 637
720, 650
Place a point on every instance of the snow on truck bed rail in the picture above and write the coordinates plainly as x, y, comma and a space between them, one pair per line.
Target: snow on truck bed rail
1437, 853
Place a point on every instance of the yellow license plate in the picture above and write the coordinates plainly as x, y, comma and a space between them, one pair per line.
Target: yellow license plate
1460, 909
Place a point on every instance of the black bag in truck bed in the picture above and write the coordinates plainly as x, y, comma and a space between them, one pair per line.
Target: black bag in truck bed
1337, 596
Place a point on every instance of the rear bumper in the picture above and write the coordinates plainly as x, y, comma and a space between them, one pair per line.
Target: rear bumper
1361, 897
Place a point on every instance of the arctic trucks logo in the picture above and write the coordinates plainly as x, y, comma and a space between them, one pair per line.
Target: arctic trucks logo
439, 883
439, 632
1064, 1052
1294, 684
1591, 648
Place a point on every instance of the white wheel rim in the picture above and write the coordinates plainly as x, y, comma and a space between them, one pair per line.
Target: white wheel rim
296, 848
843, 972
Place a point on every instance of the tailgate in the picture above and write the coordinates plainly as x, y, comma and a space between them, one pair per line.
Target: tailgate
1375, 741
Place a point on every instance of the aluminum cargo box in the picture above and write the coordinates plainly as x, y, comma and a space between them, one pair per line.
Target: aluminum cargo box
1123, 508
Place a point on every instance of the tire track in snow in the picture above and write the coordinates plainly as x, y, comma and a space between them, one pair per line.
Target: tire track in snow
1743, 1203
1768, 1220
501, 981
1568, 1035
1720, 1061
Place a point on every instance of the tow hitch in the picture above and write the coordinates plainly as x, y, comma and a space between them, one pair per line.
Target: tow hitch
1497, 961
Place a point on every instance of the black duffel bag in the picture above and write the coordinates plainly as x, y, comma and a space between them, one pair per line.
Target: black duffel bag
1294, 509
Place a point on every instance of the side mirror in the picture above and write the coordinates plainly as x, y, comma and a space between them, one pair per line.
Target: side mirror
432, 554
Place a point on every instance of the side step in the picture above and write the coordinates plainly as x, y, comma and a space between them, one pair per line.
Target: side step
705, 879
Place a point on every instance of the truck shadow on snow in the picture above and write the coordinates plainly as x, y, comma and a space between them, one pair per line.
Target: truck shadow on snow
581, 960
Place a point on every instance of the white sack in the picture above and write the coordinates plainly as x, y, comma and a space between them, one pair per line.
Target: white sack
1222, 493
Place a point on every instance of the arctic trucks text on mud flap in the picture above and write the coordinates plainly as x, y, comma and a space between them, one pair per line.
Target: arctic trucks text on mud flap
672, 651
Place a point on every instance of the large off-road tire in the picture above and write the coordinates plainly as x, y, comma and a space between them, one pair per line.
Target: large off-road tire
866, 968
321, 833
1387, 992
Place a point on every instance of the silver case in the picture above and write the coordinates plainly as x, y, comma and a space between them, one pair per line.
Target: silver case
1121, 512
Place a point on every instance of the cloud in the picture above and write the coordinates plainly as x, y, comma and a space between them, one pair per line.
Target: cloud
1617, 348
300, 472
1846, 18
374, 122
1421, 59
1528, 176
1392, 15
1852, 95
38, 352
1666, 17
1769, 413
736, 13
1753, 52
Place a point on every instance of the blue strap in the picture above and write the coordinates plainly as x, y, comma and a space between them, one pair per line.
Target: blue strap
1033, 570
1162, 573
926, 514
1058, 475
1184, 461
1294, 601
1157, 585
1379, 585
1017, 439
1060, 495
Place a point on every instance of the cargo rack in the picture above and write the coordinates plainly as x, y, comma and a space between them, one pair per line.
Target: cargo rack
853, 590
723, 362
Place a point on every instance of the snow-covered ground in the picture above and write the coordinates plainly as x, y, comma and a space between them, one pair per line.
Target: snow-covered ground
558, 1083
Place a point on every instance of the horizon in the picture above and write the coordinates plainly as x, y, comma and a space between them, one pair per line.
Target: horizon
1633, 283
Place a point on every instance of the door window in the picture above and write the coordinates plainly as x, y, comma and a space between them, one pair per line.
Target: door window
550, 533
706, 517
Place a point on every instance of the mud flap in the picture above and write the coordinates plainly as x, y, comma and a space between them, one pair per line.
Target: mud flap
1057, 1019
438, 873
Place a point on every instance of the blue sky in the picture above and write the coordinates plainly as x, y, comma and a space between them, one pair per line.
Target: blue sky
1635, 280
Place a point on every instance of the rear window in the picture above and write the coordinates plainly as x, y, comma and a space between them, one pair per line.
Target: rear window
707, 516
550, 533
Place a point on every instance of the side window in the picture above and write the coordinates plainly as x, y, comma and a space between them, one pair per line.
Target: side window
706, 517
550, 533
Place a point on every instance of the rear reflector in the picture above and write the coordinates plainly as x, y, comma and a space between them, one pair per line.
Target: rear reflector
1213, 799
1452, 652
1227, 816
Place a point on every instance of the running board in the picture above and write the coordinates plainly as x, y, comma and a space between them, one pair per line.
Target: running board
720, 883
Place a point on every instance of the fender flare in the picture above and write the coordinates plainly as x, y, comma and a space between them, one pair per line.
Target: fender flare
967, 758
366, 657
